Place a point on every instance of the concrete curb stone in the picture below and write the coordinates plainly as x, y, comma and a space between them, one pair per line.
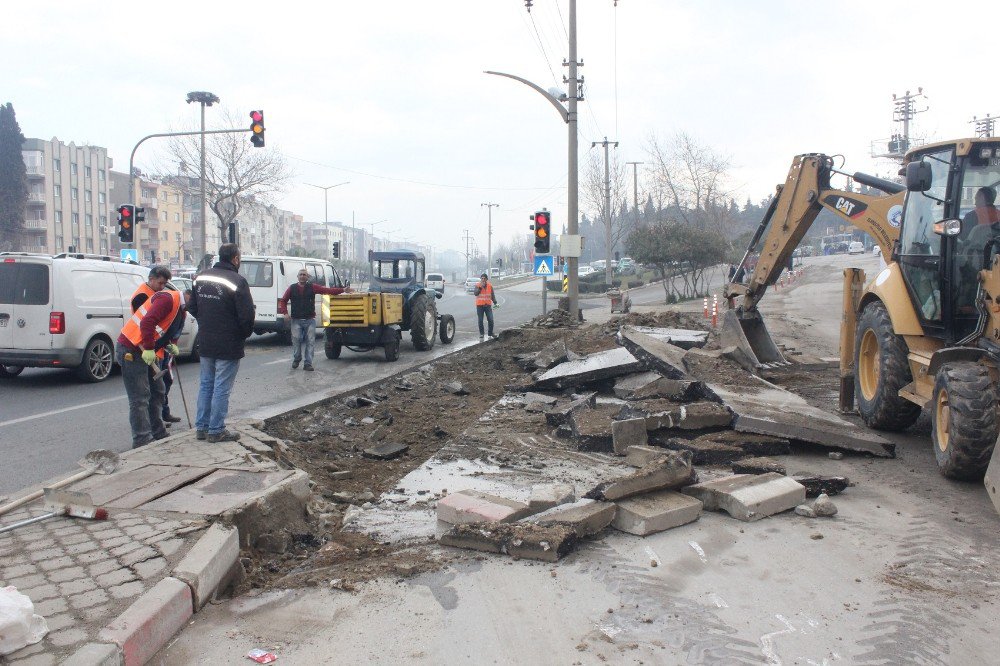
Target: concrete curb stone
207, 563
96, 654
149, 623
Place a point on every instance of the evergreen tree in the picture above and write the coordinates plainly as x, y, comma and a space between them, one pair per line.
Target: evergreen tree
13, 179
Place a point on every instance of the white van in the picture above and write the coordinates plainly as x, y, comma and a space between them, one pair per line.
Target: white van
269, 277
63, 312
435, 281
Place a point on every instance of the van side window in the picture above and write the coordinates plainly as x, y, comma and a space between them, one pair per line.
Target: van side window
24, 284
317, 274
257, 273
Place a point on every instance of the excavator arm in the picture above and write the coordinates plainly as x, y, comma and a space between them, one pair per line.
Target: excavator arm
790, 215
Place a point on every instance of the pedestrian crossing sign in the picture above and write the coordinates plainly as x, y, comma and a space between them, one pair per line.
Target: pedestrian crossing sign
544, 264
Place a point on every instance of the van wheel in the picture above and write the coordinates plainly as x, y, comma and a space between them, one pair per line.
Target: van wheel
11, 370
98, 360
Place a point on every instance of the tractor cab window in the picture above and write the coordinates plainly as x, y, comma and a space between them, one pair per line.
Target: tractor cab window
401, 270
980, 224
919, 246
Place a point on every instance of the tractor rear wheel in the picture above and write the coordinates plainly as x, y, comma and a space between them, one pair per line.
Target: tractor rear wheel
423, 322
331, 346
392, 350
447, 329
964, 422
880, 370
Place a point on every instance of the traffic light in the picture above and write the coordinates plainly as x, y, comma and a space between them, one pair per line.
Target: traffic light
336, 249
542, 228
140, 215
257, 129
126, 223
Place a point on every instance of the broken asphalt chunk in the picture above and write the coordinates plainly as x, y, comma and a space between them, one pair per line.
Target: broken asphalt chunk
685, 338
559, 414
655, 512
593, 367
547, 495
592, 427
523, 540
706, 451
385, 451
749, 497
628, 433
586, 516
550, 356
637, 456
472, 506
666, 415
760, 465
455, 388
818, 485
670, 471
655, 354
651, 384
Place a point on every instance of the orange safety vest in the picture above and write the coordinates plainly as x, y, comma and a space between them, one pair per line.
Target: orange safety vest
485, 296
143, 289
131, 329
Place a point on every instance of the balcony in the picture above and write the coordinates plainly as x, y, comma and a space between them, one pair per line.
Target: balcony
36, 197
35, 224
149, 202
34, 169
37, 249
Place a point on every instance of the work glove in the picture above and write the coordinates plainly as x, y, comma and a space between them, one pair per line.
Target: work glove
496, 306
149, 357
173, 350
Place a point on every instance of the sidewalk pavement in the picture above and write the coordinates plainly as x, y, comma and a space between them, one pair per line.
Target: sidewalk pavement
116, 591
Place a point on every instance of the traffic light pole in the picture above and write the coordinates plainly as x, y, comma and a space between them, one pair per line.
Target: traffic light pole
131, 173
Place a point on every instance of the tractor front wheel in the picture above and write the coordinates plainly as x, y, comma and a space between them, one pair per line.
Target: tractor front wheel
881, 369
423, 322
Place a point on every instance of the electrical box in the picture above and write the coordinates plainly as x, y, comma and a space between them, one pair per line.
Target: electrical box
571, 245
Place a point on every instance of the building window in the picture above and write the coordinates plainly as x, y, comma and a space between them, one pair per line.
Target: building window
104, 220
177, 198
166, 236
75, 219
86, 172
90, 220
57, 191
86, 196
90, 246
74, 193
58, 217
100, 196
72, 168
56, 164
163, 215
100, 175
177, 217
164, 196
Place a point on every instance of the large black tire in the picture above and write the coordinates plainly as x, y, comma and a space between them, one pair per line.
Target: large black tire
880, 370
11, 370
331, 346
98, 361
447, 329
392, 350
964, 421
423, 322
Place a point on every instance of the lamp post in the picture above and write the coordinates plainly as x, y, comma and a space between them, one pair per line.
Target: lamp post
326, 189
205, 99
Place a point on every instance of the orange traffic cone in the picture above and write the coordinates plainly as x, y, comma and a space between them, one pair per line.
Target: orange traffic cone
706, 307
715, 314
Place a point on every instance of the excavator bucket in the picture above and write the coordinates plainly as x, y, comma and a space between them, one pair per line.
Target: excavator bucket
750, 336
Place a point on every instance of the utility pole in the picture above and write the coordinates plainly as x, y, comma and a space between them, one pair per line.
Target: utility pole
489, 235
984, 126
608, 272
467, 238
205, 99
326, 202
635, 188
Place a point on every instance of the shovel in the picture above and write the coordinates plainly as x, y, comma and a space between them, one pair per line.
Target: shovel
63, 503
100, 461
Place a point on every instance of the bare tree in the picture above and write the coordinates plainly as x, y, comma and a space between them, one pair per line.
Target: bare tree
616, 227
236, 172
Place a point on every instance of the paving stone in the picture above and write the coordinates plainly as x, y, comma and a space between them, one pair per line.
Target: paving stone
626, 433
104, 567
547, 495
139, 555
169, 546
592, 427
472, 506
759, 465
57, 622
27, 651
37, 660
51, 607
27, 581
116, 577
126, 590
76, 538
67, 574
18, 571
41, 592
88, 599
749, 497
149, 568
655, 512
637, 456
586, 516
76, 586
84, 547
593, 367
671, 470
56, 563
67, 637
125, 548
46, 554
115, 542
94, 556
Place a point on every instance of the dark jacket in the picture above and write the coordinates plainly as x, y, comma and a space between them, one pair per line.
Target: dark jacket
223, 306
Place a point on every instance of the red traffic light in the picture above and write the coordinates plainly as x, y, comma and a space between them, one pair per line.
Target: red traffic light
257, 128
256, 116
125, 211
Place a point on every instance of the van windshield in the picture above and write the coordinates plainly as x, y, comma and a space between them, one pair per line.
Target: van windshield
257, 273
24, 284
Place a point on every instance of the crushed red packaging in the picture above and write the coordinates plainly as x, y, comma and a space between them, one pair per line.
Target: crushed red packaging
262, 656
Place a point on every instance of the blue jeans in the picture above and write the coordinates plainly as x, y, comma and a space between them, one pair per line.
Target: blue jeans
145, 398
217, 378
488, 311
303, 330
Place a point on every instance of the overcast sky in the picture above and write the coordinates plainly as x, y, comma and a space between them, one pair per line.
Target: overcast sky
391, 95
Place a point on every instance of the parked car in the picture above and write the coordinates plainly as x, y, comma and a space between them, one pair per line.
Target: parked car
625, 266
877, 251
63, 312
856, 247
585, 270
470, 284
435, 281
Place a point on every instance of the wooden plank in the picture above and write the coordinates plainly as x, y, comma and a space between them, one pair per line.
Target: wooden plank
181, 476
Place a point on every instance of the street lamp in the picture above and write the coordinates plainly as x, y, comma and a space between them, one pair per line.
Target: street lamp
205, 99
326, 189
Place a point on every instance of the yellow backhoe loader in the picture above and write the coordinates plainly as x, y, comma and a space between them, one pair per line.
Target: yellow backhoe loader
925, 332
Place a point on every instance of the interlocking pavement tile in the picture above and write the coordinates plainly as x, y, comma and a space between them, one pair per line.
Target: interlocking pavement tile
41, 592
88, 599
139, 555
56, 563
67, 637
126, 590
107, 566
27, 581
149, 568
67, 574
50, 607
80, 548
76, 586
44, 554
116, 577
170, 546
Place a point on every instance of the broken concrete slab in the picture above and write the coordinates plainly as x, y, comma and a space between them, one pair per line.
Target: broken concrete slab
559, 414
586, 516
655, 354
472, 506
548, 495
685, 338
628, 433
655, 512
538, 402
818, 485
523, 540
771, 410
385, 451
752, 443
664, 415
593, 367
670, 471
652, 384
759, 465
749, 497
706, 451
550, 356
637, 456
455, 388
592, 427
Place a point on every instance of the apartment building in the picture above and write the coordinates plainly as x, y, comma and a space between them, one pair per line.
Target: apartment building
68, 206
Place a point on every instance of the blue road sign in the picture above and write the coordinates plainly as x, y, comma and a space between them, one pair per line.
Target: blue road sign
544, 264
130, 254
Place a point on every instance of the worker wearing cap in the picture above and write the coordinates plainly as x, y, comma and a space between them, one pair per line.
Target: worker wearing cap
486, 299
136, 353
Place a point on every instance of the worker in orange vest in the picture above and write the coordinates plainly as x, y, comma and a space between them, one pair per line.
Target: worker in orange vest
486, 300
136, 353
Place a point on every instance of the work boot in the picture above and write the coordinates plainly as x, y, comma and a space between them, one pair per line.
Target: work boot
295, 364
308, 368
170, 418
224, 436
200, 434
492, 337
482, 338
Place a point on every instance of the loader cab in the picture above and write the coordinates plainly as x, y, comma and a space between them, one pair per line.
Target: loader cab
942, 241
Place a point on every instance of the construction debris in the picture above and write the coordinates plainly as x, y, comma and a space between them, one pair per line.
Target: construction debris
666, 415
594, 367
546, 496
670, 471
472, 506
749, 497
761, 465
654, 385
560, 413
628, 433
822, 507
523, 540
386, 451
681, 337
818, 485
655, 512
661, 356
586, 516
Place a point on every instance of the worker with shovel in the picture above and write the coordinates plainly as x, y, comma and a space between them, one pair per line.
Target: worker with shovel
136, 353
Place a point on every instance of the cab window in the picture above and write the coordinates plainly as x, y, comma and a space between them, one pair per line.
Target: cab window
920, 247
257, 273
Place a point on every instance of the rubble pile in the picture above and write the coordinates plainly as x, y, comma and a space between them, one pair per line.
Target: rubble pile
556, 318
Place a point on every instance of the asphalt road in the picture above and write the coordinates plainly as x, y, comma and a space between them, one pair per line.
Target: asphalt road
49, 419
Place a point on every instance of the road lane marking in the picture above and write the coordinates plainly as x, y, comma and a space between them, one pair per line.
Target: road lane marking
61, 411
